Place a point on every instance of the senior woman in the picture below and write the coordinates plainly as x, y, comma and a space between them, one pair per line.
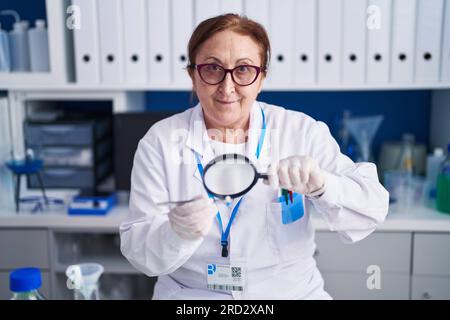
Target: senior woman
258, 247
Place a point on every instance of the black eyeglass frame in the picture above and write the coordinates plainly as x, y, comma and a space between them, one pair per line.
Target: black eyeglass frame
198, 67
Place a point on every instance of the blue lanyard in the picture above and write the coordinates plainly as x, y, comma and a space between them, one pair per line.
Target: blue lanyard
226, 233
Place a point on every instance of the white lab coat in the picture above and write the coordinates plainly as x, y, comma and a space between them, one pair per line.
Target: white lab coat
278, 257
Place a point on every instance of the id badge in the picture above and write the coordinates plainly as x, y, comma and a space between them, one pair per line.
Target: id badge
228, 277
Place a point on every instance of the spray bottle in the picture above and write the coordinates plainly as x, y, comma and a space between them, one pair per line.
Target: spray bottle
18, 43
5, 57
38, 43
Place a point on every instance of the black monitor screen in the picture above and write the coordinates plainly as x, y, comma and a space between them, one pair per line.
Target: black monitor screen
129, 128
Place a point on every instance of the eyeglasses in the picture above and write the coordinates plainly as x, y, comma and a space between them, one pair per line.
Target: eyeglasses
243, 75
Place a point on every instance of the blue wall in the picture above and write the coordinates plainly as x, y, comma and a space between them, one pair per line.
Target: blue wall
404, 111
27, 9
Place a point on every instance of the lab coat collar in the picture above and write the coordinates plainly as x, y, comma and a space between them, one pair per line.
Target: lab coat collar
256, 123
198, 139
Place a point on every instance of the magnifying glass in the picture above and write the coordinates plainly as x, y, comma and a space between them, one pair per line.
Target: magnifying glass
230, 176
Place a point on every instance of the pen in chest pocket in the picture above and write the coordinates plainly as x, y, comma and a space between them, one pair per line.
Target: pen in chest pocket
287, 195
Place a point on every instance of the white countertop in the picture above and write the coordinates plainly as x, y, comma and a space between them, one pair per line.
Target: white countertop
63, 221
416, 219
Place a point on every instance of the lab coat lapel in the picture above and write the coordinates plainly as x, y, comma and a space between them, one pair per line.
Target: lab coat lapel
256, 122
198, 140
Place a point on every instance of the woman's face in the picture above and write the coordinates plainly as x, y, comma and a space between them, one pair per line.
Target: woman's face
227, 104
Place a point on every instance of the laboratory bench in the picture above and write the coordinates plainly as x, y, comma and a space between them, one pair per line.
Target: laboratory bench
410, 252
411, 248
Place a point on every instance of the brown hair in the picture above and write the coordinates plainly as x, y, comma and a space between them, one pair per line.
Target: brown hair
239, 24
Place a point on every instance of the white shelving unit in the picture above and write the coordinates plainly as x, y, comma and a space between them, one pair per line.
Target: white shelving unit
122, 101
118, 272
62, 75
60, 51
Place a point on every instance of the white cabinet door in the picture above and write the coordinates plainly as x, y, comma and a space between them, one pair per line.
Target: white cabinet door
346, 286
350, 270
426, 287
431, 266
389, 250
431, 254
24, 248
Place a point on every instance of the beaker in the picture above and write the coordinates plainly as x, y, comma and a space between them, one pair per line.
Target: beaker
405, 190
405, 160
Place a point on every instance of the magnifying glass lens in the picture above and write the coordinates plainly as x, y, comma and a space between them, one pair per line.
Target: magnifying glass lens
229, 177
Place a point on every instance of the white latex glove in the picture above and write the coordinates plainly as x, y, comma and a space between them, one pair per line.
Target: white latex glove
299, 174
193, 220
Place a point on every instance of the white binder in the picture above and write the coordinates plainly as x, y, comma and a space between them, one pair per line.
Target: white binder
182, 28
354, 41
378, 40
403, 40
159, 41
445, 65
135, 40
305, 35
231, 6
111, 41
258, 10
428, 45
205, 9
282, 22
329, 41
86, 43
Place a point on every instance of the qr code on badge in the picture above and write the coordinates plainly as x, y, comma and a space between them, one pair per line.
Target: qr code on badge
236, 272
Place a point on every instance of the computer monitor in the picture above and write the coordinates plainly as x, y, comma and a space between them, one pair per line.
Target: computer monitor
129, 128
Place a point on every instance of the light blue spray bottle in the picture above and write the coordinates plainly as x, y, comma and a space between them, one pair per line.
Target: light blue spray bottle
5, 55
18, 43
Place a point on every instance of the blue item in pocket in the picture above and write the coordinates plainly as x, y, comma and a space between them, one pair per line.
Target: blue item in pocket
291, 212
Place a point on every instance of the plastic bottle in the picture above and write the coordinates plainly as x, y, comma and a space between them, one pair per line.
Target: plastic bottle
443, 185
20, 53
38, 44
5, 57
24, 283
434, 162
5, 45
403, 175
405, 161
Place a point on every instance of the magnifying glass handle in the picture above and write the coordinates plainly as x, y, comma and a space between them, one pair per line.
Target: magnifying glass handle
264, 176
